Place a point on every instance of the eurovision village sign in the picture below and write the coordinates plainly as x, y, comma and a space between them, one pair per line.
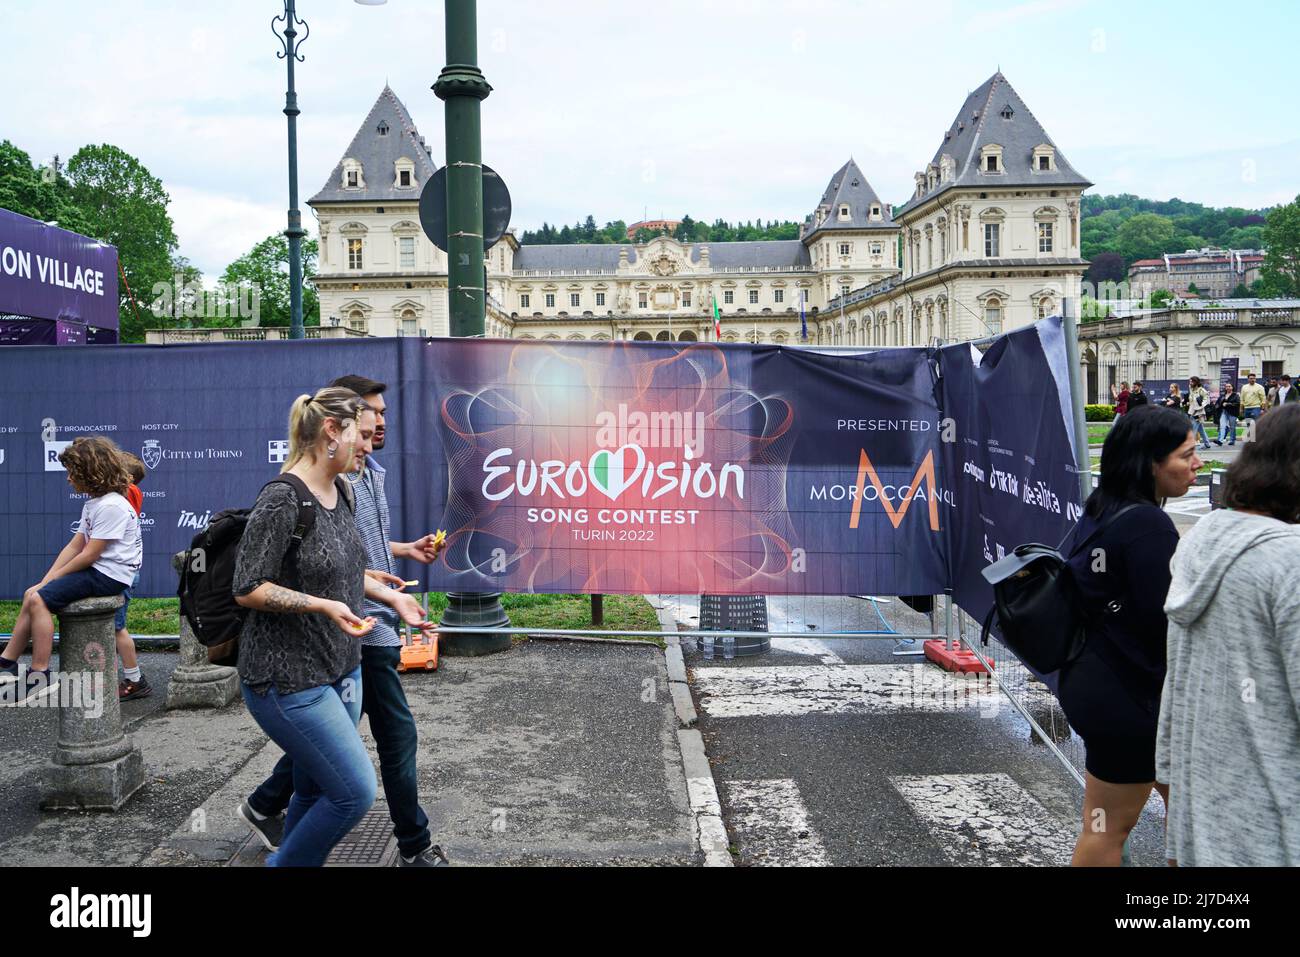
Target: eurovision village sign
56, 287
602, 467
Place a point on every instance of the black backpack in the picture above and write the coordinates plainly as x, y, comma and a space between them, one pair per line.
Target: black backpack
207, 576
1038, 607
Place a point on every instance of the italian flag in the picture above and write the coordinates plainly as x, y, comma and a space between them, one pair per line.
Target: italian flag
717, 321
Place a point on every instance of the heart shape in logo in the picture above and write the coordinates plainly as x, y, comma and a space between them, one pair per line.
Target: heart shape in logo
610, 473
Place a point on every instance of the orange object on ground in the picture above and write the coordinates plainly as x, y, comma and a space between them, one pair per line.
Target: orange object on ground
419, 653
952, 659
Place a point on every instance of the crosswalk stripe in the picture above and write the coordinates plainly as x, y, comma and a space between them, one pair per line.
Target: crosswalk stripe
814, 647
769, 821
987, 820
840, 689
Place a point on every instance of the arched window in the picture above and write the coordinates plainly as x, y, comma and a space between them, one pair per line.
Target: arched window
687, 336
410, 325
993, 315
357, 320
664, 336
641, 337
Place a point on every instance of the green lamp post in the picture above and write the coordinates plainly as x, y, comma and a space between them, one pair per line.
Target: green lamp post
462, 88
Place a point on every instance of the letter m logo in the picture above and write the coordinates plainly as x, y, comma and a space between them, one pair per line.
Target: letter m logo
867, 470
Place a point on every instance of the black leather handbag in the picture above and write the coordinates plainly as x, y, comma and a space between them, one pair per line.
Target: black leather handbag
1039, 611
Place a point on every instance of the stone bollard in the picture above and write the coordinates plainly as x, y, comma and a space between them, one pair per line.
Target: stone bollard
95, 764
197, 683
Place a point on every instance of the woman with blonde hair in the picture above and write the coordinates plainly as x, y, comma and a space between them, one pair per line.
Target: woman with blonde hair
299, 654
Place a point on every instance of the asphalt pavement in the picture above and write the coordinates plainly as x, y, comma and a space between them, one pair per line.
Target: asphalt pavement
839, 752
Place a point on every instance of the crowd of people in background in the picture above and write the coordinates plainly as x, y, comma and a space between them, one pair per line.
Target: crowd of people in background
1225, 410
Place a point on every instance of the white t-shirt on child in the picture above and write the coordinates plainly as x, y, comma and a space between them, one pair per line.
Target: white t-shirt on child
111, 517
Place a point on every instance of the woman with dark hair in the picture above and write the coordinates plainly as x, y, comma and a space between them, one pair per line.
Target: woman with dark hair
1111, 693
1229, 732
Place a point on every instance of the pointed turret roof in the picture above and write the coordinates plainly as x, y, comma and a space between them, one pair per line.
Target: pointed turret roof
387, 135
848, 187
996, 115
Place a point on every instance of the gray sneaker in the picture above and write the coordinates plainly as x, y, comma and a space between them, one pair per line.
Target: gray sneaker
270, 830
431, 856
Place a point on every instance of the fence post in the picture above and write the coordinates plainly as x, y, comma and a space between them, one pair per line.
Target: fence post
95, 764
197, 683
1082, 455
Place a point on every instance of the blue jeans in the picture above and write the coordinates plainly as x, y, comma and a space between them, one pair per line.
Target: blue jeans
395, 736
1228, 427
1254, 412
333, 779
1201, 433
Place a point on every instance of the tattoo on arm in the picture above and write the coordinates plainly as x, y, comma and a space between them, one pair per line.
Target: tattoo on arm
286, 600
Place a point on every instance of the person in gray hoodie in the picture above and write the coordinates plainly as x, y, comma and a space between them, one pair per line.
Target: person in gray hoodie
1228, 737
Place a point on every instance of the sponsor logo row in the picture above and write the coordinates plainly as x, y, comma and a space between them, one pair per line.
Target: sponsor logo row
153, 453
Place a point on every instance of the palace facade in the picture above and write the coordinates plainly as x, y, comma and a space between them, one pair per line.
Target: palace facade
988, 241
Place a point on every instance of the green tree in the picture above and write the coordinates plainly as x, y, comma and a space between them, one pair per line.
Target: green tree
1241, 292
122, 203
265, 268
1282, 250
42, 194
1145, 236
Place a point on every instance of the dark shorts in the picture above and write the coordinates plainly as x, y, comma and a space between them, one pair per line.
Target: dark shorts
120, 621
1118, 730
87, 583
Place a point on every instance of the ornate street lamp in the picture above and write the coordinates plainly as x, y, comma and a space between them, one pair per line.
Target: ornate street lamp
287, 34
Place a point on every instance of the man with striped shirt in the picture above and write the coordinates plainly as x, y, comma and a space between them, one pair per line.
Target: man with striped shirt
382, 697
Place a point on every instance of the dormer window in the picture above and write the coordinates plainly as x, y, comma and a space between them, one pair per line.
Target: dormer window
404, 169
352, 175
875, 211
383, 128
1044, 160
844, 211
1008, 112
991, 159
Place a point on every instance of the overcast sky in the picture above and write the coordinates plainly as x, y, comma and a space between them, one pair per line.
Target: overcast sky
741, 109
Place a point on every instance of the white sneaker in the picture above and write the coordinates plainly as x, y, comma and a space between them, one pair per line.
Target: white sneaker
36, 686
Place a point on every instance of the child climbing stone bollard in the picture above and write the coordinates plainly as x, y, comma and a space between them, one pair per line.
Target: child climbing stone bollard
95, 764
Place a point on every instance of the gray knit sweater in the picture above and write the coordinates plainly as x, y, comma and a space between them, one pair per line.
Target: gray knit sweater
1229, 736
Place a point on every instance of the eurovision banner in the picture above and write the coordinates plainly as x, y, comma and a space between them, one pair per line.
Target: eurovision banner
51, 273
1012, 467
687, 468
635, 467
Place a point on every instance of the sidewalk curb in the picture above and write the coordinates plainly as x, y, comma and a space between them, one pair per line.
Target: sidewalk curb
678, 683
701, 790
711, 833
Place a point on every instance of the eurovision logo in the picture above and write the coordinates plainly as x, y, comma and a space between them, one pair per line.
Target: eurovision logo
611, 473
620, 463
